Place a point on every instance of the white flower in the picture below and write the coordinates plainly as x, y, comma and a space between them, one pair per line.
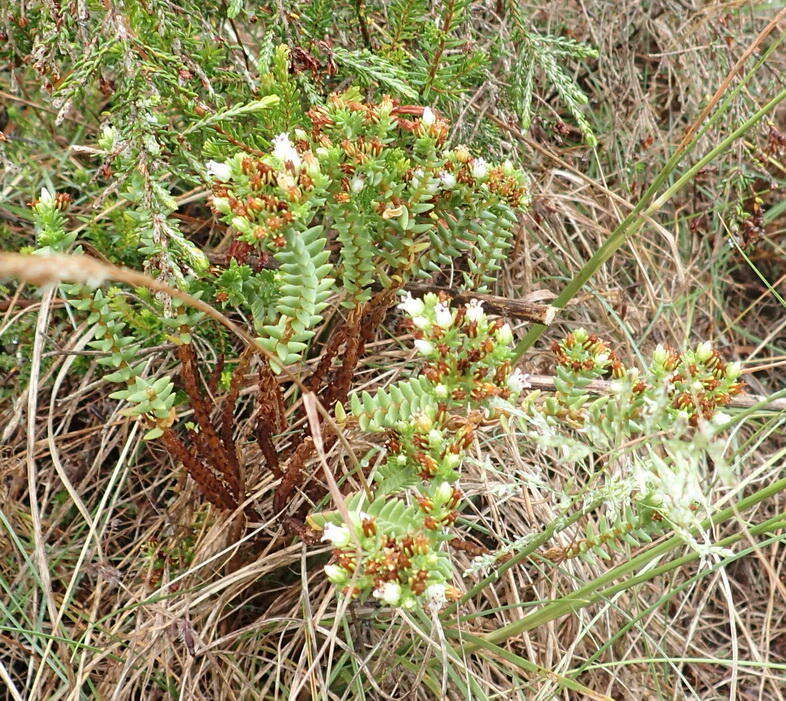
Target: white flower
733, 371
220, 171
428, 117
505, 334
338, 535
474, 310
389, 593
421, 322
336, 574
441, 391
443, 315
435, 594
285, 151
424, 347
659, 355
357, 184
411, 305
435, 436
46, 198
480, 168
507, 167
401, 459
448, 180
518, 381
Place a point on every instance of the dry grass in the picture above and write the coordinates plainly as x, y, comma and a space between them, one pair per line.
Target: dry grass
155, 594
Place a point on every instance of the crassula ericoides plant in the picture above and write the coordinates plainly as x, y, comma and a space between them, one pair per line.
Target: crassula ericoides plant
377, 183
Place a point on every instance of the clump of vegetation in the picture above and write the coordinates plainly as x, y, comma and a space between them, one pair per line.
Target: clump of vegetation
271, 279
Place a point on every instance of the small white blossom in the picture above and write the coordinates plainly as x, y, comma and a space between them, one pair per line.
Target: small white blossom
424, 347
518, 381
507, 167
448, 180
421, 322
411, 305
338, 535
435, 594
474, 310
357, 184
336, 574
435, 436
480, 168
401, 459
428, 117
220, 171
389, 593
441, 391
46, 198
285, 151
443, 315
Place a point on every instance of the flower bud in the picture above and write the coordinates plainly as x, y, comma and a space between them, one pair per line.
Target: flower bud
242, 225
659, 355
704, 352
505, 334
336, 574
423, 422
389, 593
221, 204
428, 117
443, 493
338, 536
733, 371
424, 347
435, 436
220, 171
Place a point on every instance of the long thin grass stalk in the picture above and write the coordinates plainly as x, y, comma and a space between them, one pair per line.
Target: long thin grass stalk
646, 207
